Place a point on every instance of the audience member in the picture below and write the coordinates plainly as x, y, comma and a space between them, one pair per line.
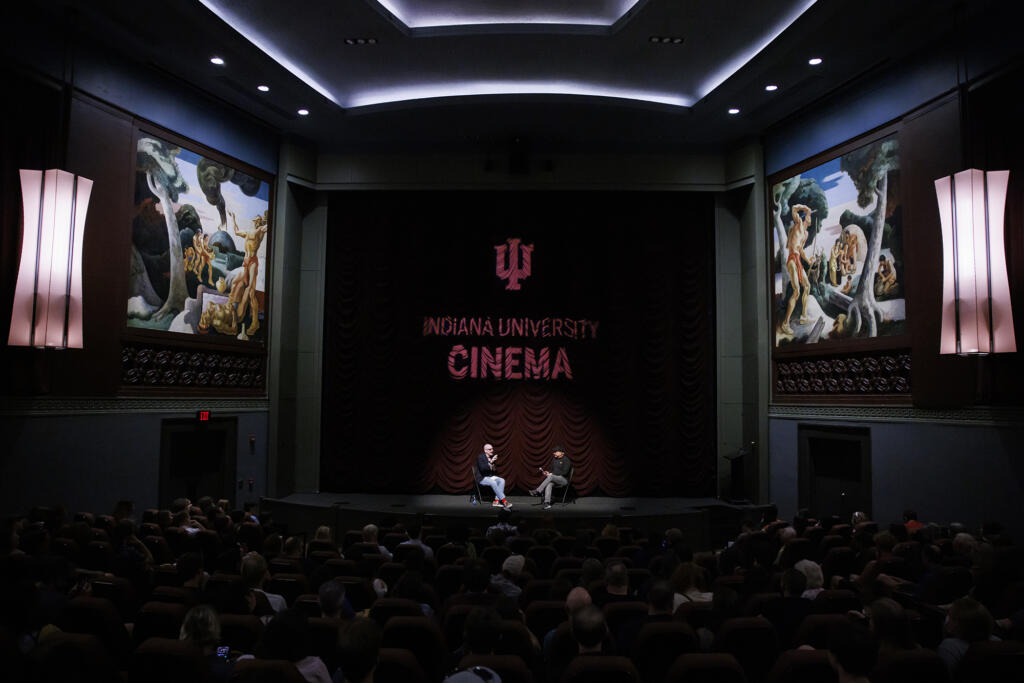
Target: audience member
505, 581
370, 533
615, 587
852, 654
202, 627
254, 576
968, 622
815, 579
359, 647
287, 637
415, 531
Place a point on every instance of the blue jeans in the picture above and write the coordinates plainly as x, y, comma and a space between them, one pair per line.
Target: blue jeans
496, 483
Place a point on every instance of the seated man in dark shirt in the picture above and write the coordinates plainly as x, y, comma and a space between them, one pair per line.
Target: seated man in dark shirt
554, 476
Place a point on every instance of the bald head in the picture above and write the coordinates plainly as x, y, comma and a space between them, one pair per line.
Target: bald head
577, 599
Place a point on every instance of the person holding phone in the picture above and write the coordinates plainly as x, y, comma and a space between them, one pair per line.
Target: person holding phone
201, 627
554, 476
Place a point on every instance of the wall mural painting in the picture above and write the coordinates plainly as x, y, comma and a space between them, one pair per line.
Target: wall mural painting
838, 249
199, 245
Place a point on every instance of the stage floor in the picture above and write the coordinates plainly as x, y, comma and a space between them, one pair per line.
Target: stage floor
705, 522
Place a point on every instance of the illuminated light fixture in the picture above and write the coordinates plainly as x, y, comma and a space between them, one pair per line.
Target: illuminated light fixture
771, 88
976, 314
47, 309
263, 88
303, 112
734, 110
422, 91
217, 60
417, 14
814, 61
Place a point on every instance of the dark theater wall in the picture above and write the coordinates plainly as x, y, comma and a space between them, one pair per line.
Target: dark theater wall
954, 453
72, 436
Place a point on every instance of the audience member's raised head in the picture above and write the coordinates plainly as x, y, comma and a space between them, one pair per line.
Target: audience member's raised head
324, 534
616, 578
273, 546
294, 547
179, 504
592, 571
370, 532
201, 626
286, 636
811, 570
476, 575
852, 652
190, 567
969, 620
588, 628
794, 583
512, 567
858, 517
578, 598
890, 625
359, 646
885, 541
332, 597
254, 570
964, 545
481, 630
660, 598
688, 577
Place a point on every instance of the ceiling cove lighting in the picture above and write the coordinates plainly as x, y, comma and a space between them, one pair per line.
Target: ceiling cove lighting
217, 60
436, 13
976, 314
237, 21
47, 309
369, 98
739, 60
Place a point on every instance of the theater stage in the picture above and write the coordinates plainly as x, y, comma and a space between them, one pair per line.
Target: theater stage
705, 522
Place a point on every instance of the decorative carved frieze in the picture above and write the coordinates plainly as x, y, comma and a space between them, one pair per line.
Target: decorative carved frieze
151, 365
845, 375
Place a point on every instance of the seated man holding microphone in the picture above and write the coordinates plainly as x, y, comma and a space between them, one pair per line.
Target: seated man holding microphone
554, 476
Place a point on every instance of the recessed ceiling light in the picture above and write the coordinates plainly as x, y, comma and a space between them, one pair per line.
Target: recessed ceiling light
771, 88
263, 88
655, 39
814, 61
677, 40
360, 41
303, 112
734, 110
217, 60
350, 41
371, 41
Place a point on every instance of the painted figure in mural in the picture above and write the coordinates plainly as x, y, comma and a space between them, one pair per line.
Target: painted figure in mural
886, 281
221, 317
794, 265
243, 287
201, 257
833, 262
848, 287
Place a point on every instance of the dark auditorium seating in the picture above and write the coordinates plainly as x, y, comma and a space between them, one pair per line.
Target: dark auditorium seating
423, 638
752, 641
166, 660
706, 668
400, 665
511, 668
658, 645
802, 666
910, 666
601, 669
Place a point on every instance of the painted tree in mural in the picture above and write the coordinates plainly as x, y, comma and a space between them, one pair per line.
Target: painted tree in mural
213, 174
158, 161
868, 168
781, 194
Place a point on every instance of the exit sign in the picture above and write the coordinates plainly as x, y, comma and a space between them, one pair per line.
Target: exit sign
203, 415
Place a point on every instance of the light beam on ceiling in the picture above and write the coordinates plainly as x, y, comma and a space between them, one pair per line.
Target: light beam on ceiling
437, 13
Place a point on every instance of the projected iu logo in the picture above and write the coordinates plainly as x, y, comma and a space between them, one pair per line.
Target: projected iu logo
512, 262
